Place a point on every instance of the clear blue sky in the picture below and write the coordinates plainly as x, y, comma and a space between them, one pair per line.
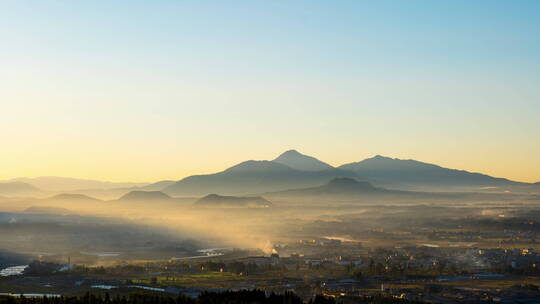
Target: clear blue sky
145, 90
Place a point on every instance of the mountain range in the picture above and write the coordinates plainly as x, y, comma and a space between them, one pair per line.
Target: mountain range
253, 177
415, 174
63, 184
292, 170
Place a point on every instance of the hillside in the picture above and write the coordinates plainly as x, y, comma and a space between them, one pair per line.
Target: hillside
144, 196
335, 187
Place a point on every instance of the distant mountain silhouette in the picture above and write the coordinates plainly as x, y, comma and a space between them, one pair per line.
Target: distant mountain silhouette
298, 161
412, 173
348, 184
343, 186
18, 189
66, 184
290, 170
293, 170
47, 210
157, 186
214, 200
348, 189
72, 197
144, 196
252, 177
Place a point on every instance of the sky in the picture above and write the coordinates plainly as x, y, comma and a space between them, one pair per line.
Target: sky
152, 90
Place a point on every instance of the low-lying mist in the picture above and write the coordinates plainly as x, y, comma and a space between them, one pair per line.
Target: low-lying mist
93, 231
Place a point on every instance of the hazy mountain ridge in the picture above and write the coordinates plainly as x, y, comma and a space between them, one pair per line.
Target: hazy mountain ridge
137, 195
215, 200
283, 173
65, 184
253, 176
72, 197
290, 170
415, 173
348, 189
47, 210
157, 186
340, 186
18, 188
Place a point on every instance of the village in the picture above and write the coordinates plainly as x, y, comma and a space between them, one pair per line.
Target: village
336, 268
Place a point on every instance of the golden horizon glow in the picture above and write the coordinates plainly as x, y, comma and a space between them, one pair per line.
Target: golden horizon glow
163, 90
121, 170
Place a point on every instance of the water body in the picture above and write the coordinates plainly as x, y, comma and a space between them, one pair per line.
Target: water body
205, 253
147, 288
31, 295
431, 245
107, 287
103, 254
14, 270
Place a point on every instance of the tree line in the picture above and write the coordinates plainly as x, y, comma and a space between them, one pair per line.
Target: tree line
225, 297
